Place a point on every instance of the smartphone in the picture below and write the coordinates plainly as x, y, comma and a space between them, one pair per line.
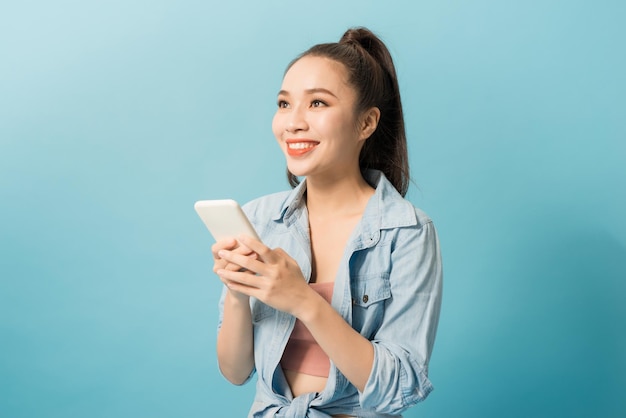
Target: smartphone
224, 219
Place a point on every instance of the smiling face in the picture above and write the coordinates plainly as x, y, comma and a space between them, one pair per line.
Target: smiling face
316, 124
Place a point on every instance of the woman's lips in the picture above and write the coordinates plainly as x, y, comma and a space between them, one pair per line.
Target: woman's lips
298, 147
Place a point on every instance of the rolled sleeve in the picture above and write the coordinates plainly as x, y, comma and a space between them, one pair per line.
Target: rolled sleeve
404, 342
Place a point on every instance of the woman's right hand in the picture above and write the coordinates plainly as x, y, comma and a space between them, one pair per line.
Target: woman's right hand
219, 263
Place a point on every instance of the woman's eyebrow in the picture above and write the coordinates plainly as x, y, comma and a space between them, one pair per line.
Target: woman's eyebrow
310, 91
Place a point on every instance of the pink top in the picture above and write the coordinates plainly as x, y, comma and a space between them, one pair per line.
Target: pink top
302, 353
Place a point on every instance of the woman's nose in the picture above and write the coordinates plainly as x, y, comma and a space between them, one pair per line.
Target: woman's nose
297, 120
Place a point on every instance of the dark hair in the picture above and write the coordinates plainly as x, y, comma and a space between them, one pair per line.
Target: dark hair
372, 74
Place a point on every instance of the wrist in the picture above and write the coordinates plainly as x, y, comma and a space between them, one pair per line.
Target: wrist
311, 307
236, 298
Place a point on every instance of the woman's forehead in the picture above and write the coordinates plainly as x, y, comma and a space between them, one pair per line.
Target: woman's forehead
313, 73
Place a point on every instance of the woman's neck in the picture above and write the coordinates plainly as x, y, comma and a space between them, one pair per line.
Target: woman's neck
339, 197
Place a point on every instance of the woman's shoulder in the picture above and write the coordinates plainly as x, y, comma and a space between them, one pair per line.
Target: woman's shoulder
421, 216
398, 211
395, 210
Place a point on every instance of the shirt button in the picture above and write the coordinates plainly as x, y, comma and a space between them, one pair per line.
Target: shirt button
365, 298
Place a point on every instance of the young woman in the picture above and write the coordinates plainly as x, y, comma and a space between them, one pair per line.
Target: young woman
336, 309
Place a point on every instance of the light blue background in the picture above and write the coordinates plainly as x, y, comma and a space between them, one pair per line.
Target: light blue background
115, 116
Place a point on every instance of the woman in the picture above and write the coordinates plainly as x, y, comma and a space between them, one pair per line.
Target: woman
336, 309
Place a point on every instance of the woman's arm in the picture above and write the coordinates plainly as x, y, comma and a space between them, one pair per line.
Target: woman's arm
403, 344
351, 353
235, 343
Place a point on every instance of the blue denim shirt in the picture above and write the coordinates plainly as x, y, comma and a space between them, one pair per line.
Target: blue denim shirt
388, 288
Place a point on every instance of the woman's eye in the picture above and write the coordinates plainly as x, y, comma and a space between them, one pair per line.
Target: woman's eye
282, 104
317, 103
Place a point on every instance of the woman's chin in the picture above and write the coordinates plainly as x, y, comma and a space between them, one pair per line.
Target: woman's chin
298, 170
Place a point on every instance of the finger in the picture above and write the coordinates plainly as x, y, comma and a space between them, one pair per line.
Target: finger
265, 253
244, 250
226, 244
245, 253
247, 262
227, 281
227, 265
233, 267
230, 244
246, 279
243, 289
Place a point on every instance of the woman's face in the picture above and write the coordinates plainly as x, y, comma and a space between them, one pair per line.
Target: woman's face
316, 124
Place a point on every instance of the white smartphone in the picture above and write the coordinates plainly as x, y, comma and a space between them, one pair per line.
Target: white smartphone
224, 218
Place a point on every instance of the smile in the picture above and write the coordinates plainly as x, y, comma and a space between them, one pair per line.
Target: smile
300, 147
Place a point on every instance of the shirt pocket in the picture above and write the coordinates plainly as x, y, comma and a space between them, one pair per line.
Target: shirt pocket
370, 292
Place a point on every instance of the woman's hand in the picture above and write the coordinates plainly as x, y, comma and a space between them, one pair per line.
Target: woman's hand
219, 264
276, 281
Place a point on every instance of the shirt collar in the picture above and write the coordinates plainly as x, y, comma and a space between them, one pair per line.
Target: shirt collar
386, 208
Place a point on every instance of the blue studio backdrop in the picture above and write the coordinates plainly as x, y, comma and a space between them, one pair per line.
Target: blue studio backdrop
116, 116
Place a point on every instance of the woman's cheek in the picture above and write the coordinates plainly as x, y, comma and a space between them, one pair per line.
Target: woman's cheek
277, 126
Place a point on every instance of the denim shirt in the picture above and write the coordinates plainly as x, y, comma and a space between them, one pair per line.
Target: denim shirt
388, 288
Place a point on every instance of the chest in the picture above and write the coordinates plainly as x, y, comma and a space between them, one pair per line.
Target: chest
328, 242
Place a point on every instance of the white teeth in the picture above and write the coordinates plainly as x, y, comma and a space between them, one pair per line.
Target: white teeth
301, 145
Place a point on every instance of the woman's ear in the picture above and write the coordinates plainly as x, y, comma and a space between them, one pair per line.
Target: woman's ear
369, 122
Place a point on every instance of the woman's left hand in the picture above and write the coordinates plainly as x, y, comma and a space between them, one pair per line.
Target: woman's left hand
277, 282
